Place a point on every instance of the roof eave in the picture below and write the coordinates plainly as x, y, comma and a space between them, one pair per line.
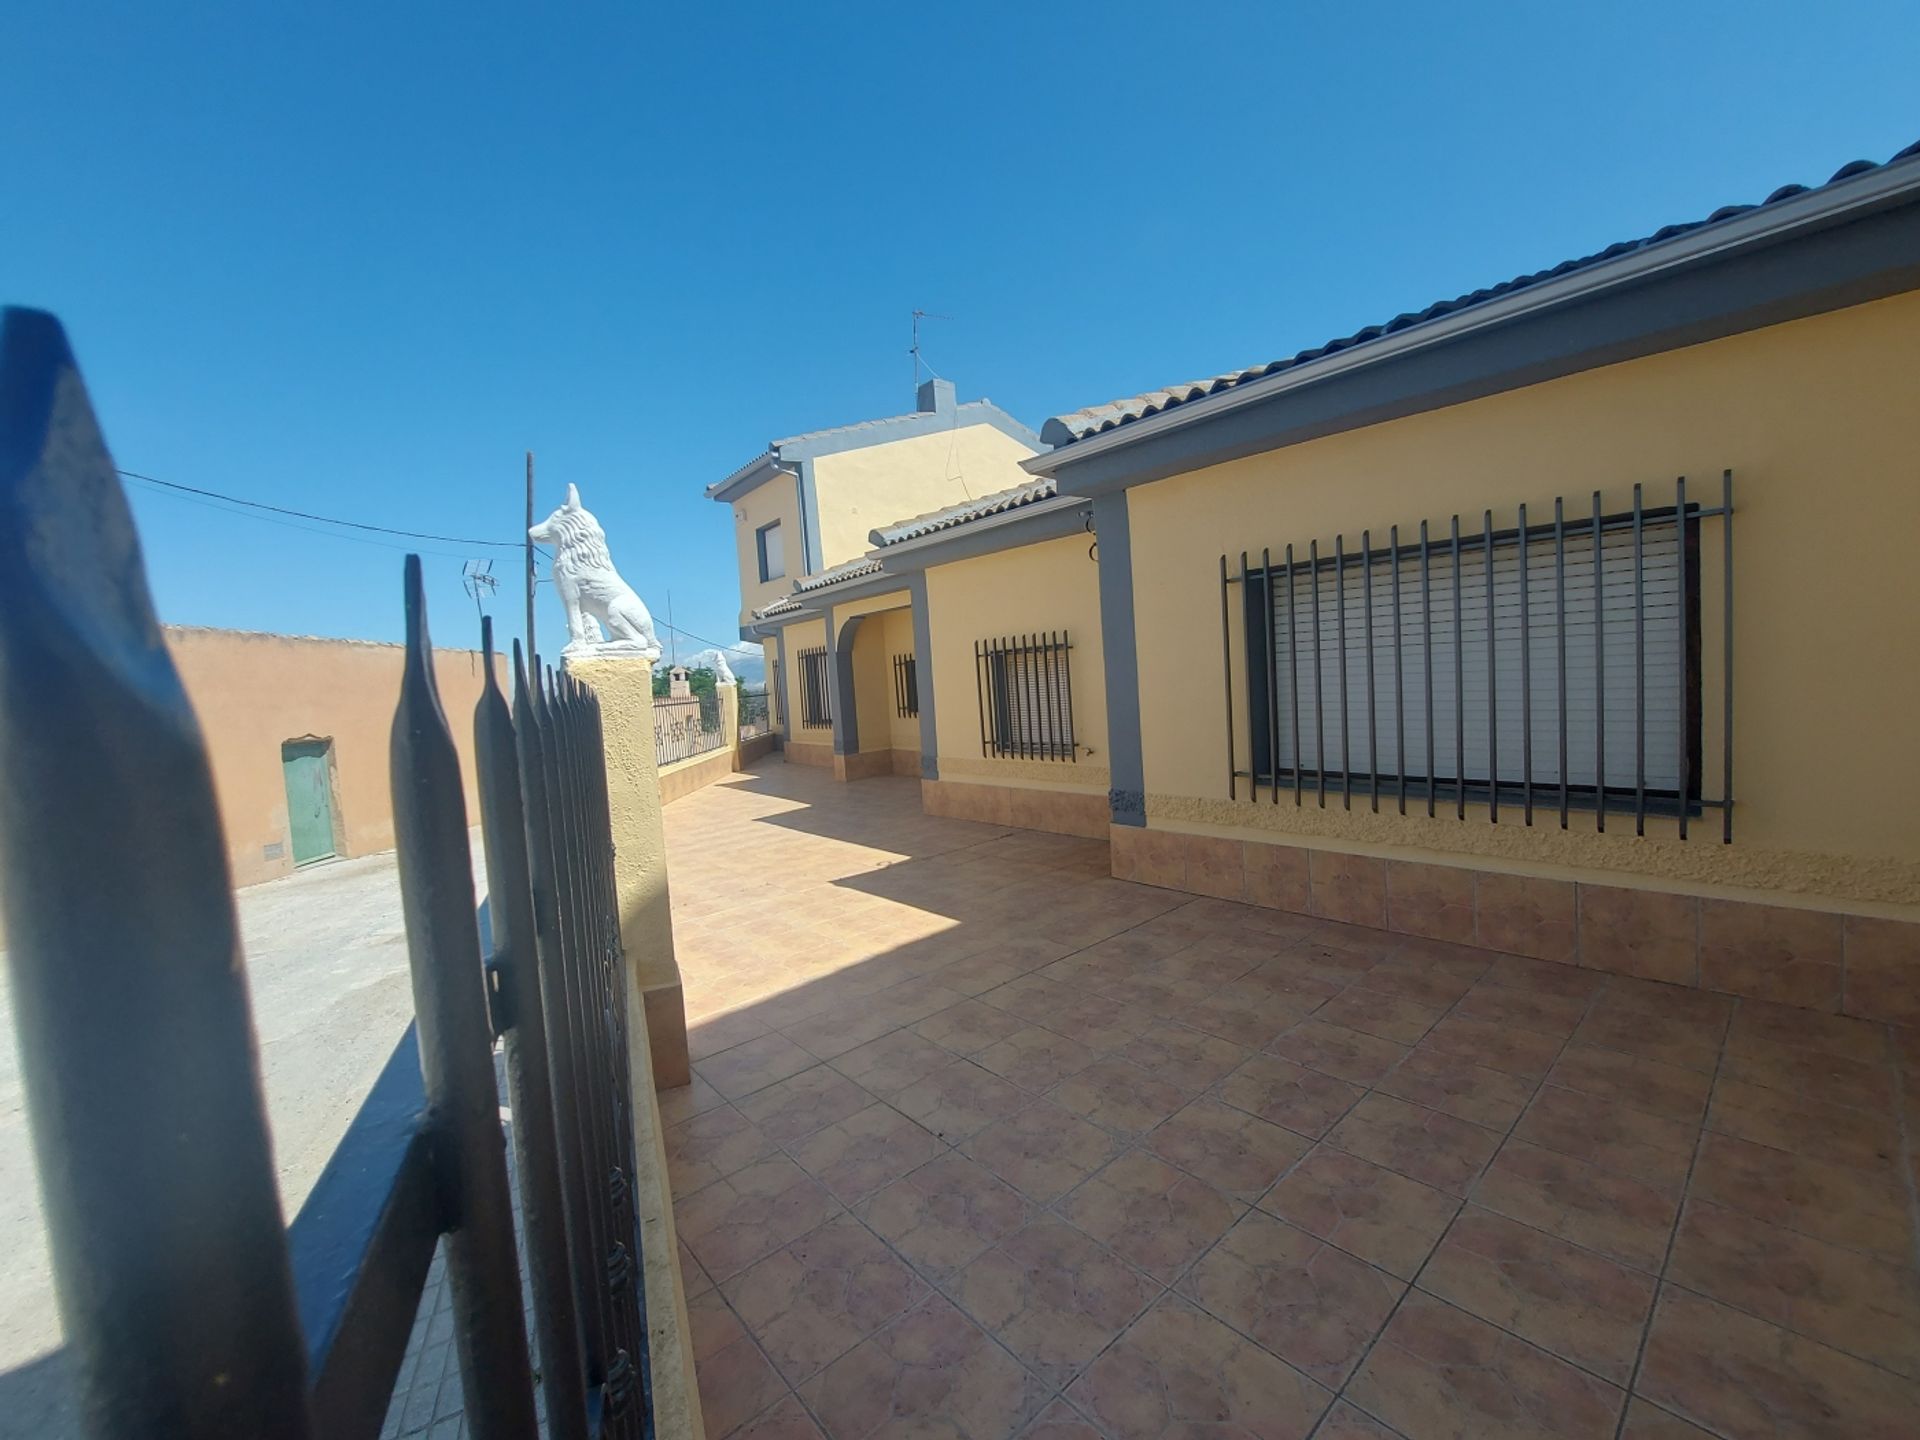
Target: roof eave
748, 478
1881, 189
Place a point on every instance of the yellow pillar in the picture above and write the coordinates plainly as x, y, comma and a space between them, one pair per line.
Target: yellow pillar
625, 689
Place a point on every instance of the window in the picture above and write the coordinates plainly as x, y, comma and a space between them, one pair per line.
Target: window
1498, 666
773, 555
1026, 697
816, 689
906, 686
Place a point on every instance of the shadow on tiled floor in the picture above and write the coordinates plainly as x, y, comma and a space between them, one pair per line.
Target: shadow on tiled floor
985, 1143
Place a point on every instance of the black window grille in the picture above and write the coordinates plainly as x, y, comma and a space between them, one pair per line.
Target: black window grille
816, 688
1547, 664
1026, 697
906, 686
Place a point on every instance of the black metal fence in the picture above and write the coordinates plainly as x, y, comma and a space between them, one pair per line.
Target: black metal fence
686, 727
756, 716
816, 688
1544, 666
190, 1311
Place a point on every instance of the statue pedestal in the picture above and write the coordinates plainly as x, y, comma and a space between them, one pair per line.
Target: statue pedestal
624, 687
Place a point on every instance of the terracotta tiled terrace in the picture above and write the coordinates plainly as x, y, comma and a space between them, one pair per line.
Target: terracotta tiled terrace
987, 1144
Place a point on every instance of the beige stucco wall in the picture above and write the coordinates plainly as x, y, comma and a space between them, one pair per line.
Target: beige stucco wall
1054, 585
858, 490
778, 499
806, 635
254, 691
1820, 423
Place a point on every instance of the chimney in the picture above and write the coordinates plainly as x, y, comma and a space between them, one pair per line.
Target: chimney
936, 398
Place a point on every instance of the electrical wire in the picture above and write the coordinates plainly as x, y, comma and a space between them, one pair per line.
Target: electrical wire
323, 519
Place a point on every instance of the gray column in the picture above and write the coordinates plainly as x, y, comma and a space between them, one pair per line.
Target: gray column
1127, 798
923, 674
846, 722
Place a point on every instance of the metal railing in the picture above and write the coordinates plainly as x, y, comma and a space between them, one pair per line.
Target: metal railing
816, 688
1549, 666
756, 716
189, 1310
906, 686
686, 727
1025, 687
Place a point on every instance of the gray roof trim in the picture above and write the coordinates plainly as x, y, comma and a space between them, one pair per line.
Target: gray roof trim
966, 512
848, 570
1878, 267
782, 455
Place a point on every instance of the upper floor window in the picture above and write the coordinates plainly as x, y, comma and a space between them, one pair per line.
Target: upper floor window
773, 555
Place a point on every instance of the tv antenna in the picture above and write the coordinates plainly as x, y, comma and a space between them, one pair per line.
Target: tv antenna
477, 579
914, 351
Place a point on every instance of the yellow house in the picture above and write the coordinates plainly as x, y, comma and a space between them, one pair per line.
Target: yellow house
1573, 618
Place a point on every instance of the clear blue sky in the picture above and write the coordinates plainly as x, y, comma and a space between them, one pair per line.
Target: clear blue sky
359, 258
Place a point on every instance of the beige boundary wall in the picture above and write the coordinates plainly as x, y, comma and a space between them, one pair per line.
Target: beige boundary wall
683, 777
253, 692
1814, 901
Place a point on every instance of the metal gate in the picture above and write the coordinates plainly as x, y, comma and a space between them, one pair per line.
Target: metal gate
190, 1310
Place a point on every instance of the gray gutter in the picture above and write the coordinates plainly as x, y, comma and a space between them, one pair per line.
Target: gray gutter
1855, 241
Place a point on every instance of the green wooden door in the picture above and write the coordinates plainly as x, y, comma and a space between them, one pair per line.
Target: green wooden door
309, 800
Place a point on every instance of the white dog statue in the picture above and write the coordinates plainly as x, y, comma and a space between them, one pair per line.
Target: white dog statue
592, 589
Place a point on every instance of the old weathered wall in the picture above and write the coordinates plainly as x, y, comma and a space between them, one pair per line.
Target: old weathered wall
253, 692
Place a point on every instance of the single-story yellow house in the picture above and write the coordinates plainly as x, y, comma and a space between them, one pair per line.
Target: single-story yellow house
1574, 618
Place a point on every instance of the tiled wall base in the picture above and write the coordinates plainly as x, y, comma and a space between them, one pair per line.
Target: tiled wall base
869, 763
686, 776
807, 752
1062, 812
1852, 964
758, 748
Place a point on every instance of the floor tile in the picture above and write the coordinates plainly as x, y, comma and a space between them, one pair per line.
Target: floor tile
1426, 1145
1060, 1421
1283, 1093
1245, 1014
790, 1109
1609, 1134
1819, 1075
1382, 1217
735, 1381
1648, 1085
1851, 1208
1459, 1087
1035, 1058
1042, 1151
1650, 1422
723, 1032
968, 1028
1808, 1029
856, 1156
1543, 977
1623, 1218
888, 1065
1337, 1051
1231, 1150
686, 1101
945, 1213
1052, 1296
1670, 1039
1498, 1045
1749, 1380
814, 1300
1391, 1017
1346, 1422
958, 1100
1439, 1371
1556, 1015
1178, 1372
1866, 1306
1833, 1133
755, 1211
786, 1421
1151, 1215
1572, 1302
1315, 1306
712, 1145
1119, 1096
931, 1372
1188, 1059
753, 1065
